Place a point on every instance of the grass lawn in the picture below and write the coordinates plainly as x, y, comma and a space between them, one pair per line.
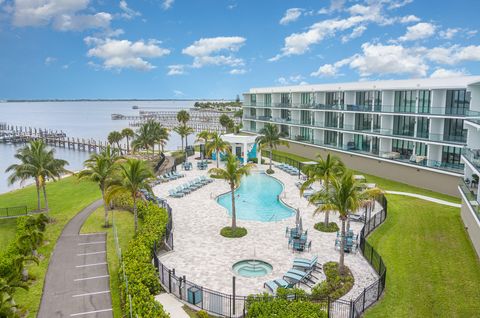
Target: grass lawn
125, 231
432, 268
66, 198
7, 231
384, 184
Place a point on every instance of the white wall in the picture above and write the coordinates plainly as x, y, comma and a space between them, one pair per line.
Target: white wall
349, 98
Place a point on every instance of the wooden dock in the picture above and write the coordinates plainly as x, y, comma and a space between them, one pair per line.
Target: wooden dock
20, 135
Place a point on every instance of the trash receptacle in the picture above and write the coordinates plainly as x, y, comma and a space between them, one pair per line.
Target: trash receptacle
194, 295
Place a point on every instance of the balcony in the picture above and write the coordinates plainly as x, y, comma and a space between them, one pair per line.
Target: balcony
471, 197
472, 156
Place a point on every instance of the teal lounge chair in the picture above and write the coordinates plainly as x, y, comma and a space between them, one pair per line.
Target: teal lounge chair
175, 194
306, 264
293, 278
273, 285
305, 276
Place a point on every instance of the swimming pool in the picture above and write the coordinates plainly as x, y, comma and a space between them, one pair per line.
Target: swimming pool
257, 199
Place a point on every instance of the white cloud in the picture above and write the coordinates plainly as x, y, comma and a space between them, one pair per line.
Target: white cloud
330, 70
418, 31
291, 15
176, 69
238, 71
50, 60
215, 51
335, 5
454, 54
178, 93
167, 4
64, 15
357, 32
449, 33
409, 19
121, 54
444, 73
293, 79
128, 13
398, 4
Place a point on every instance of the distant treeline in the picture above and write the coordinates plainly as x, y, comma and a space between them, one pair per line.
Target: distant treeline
223, 106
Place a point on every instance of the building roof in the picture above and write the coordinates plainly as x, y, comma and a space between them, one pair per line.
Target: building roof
418, 83
239, 139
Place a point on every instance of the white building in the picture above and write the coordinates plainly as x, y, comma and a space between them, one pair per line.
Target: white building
413, 131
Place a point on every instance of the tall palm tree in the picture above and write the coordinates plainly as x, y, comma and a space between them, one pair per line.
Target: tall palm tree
226, 122
216, 144
183, 117
345, 195
270, 139
128, 133
100, 168
115, 137
323, 172
204, 137
37, 162
183, 131
232, 173
143, 138
134, 175
159, 134
8, 285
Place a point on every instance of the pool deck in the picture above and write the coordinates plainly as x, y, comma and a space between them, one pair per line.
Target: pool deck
206, 258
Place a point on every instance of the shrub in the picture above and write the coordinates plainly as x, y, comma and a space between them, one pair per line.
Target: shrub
331, 227
203, 314
270, 171
228, 232
255, 160
335, 286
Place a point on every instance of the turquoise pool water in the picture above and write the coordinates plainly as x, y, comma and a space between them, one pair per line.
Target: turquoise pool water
257, 199
252, 268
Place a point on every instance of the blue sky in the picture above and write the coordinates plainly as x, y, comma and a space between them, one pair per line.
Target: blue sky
220, 48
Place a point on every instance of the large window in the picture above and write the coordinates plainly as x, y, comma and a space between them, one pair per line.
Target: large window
376, 122
453, 130
253, 126
363, 121
330, 98
458, 102
267, 99
330, 138
285, 130
375, 145
403, 147
421, 149
305, 117
405, 101
424, 101
403, 125
368, 98
305, 134
253, 112
305, 99
285, 114
451, 155
268, 113
253, 99
331, 119
362, 143
422, 127
285, 99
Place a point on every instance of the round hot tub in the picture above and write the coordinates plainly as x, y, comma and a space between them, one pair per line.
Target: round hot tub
252, 268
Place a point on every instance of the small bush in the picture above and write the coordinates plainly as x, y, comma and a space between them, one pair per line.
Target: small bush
270, 171
335, 286
202, 314
331, 227
255, 160
228, 232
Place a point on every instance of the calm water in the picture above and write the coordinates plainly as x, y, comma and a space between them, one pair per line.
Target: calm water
80, 119
257, 199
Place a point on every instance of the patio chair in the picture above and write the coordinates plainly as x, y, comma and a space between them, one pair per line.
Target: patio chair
296, 276
175, 194
186, 189
292, 278
305, 263
273, 285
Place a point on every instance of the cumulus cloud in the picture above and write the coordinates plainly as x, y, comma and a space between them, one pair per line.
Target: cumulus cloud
167, 4
128, 13
124, 54
215, 51
291, 80
291, 15
398, 4
176, 69
409, 19
444, 73
357, 32
64, 15
330, 70
454, 54
238, 71
418, 31
49, 59
335, 5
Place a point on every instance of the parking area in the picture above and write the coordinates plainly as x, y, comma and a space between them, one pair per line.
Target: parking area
77, 281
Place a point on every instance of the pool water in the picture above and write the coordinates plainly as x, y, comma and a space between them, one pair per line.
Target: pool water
257, 199
252, 268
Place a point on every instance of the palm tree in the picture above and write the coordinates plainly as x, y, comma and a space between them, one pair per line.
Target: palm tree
128, 133
134, 176
233, 174
39, 163
159, 134
270, 138
183, 131
345, 195
143, 138
100, 168
114, 138
323, 172
216, 144
204, 137
183, 117
8, 285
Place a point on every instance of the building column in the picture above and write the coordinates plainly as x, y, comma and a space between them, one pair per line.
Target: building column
259, 156
245, 155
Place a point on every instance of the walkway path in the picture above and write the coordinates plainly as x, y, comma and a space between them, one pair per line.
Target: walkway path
424, 197
171, 305
77, 281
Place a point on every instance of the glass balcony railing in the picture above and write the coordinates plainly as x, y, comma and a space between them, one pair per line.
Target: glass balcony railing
473, 156
470, 193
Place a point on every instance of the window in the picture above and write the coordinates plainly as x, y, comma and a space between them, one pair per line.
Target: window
330, 98
305, 99
330, 138
305, 117
285, 99
376, 122
458, 102
422, 127
305, 133
253, 112
267, 99
424, 101
285, 114
375, 145
451, 155
368, 98
331, 119
362, 143
421, 149
403, 125
403, 147
253, 126
253, 99
405, 101
285, 130
363, 121
453, 130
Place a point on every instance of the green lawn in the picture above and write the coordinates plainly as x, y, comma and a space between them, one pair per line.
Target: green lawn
66, 198
385, 184
125, 230
432, 268
7, 231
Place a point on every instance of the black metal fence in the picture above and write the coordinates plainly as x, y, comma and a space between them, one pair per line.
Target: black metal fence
13, 211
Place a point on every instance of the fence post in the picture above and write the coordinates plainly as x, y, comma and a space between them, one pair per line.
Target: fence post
352, 313
233, 293
328, 306
170, 281
364, 293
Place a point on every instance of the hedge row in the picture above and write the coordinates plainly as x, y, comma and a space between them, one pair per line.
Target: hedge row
141, 275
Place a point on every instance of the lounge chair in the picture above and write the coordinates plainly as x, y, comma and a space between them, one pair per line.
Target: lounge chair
186, 188
175, 194
304, 274
304, 263
274, 284
293, 278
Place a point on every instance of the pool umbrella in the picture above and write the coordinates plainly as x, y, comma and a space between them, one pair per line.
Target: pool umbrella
300, 227
297, 218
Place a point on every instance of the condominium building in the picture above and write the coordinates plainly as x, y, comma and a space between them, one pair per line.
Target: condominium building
414, 131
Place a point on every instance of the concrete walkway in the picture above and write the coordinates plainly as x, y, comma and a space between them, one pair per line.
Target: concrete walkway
77, 281
424, 197
171, 305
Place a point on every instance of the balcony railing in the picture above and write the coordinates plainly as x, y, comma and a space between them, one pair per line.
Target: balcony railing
471, 196
473, 156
